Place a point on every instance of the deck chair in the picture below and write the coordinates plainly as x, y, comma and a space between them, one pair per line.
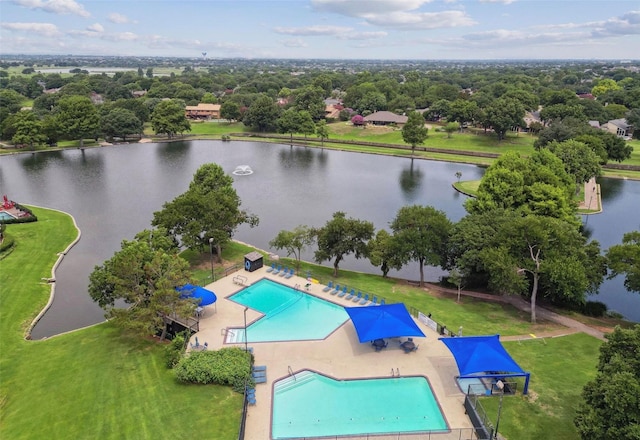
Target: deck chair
381, 302
291, 273
343, 292
336, 290
251, 400
351, 294
374, 301
357, 297
364, 300
259, 368
328, 287
277, 270
272, 268
260, 379
283, 272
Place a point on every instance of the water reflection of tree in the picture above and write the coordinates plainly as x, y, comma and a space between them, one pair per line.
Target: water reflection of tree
296, 157
410, 179
38, 161
611, 189
170, 151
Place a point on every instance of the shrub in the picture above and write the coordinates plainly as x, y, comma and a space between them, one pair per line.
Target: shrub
7, 243
596, 309
173, 352
227, 366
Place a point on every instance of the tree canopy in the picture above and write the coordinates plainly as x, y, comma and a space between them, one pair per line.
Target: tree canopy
209, 209
168, 117
414, 131
342, 236
294, 242
624, 259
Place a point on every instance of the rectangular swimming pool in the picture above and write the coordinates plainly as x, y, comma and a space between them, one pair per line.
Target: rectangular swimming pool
312, 405
290, 314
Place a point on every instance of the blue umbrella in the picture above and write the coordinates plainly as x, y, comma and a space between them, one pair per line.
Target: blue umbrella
205, 296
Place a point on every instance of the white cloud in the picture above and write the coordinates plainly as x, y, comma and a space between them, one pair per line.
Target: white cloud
362, 35
96, 27
312, 30
55, 6
45, 29
296, 42
114, 17
357, 8
503, 2
626, 24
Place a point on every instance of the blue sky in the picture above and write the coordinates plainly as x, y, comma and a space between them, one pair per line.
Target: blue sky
345, 29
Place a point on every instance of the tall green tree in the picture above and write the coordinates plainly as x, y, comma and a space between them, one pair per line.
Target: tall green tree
209, 209
294, 242
28, 129
384, 252
414, 131
262, 114
579, 160
504, 114
420, 234
120, 122
144, 275
311, 100
78, 118
624, 259
168, 117
342, 236
534, 250
322, 131
610, 409
230, 111
294, 121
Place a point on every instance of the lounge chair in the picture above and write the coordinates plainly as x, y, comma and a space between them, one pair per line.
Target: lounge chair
336, 290
343, 292
382, 302
374, 301
276, 271
291, 273
260, 379
251, 400
364, 300
259, 368
351, 294
283, 272
357, 297
259, 374
328, 287
272, 268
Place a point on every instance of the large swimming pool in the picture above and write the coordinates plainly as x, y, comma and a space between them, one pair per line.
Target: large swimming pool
290, 314
312, 405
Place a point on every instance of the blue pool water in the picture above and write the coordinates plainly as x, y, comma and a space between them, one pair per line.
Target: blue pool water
290, 314
6, 216
313, 405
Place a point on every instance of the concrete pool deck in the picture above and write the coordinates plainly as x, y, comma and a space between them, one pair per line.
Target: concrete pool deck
340, 355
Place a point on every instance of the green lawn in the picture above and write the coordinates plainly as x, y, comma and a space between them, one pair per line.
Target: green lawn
93, 383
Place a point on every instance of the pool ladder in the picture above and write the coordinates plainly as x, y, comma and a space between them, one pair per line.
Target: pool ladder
290, 370
395, 373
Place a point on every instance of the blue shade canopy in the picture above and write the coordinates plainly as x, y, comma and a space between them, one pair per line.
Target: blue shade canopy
383, 321
479, 354
205, 296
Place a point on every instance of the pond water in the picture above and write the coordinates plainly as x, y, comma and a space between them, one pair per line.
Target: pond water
113, 191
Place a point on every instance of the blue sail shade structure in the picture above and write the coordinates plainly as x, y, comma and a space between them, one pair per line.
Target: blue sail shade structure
484, 356
205, 296
383, 321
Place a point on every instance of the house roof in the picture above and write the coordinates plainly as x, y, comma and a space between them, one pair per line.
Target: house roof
202, 106
621, 123
385, 116
595, 124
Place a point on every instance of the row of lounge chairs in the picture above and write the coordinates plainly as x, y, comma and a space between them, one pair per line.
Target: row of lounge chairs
280, 271
360, 298
259, 373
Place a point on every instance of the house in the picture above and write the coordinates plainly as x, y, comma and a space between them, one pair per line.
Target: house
138, 93
586, 96
531, 117
619, 127
203, 111
385, 118
594, 124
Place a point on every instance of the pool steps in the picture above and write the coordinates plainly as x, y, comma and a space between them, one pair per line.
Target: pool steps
294, 381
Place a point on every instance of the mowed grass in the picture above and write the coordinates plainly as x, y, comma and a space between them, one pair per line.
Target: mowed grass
93, 383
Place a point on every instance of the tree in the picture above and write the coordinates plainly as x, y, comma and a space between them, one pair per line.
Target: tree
145, 277
604, 86
420, 234
532, 250
168, 117
414, 131
451, 127
322, 131
149, 72
504, 114
28, 129
311, 100
579, 160
120, 122
456, 277
262, 114
633, 118
294, 242
462, 111
210, 208
78, 118
383, 252
624, 259
610, 409
289, 122
342, 236
230, 111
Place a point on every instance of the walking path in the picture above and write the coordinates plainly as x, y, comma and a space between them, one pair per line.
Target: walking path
519, 303
592, 200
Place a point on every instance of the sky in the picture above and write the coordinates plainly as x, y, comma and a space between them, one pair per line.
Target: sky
326, 29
